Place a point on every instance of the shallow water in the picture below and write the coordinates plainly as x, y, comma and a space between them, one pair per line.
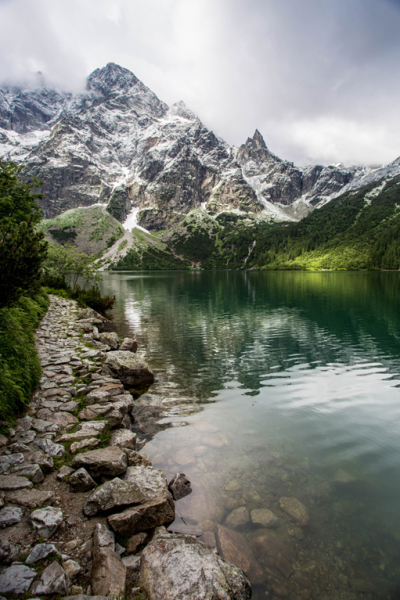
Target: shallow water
273, 385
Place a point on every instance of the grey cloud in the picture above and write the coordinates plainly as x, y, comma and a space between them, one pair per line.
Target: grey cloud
318, 78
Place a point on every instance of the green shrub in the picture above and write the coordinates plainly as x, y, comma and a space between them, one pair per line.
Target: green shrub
20, 369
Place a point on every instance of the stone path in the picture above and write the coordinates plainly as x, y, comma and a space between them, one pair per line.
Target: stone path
73, 485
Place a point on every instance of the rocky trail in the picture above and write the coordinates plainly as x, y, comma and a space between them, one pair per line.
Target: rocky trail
83, 511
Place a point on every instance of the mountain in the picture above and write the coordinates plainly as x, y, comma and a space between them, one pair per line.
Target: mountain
118, 145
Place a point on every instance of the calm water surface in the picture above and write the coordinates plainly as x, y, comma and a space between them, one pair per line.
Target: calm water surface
272, 385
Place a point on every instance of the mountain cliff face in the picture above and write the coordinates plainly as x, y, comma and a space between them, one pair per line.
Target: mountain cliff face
117, 144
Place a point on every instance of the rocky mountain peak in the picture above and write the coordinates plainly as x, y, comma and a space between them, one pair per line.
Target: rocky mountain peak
255, 149
111, 78
181, 110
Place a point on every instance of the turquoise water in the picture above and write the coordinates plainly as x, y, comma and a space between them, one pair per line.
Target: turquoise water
273, 385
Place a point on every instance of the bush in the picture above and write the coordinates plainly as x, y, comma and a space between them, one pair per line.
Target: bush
90, 297
20, 369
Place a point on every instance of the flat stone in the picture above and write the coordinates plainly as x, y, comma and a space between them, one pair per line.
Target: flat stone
42, 426
234, 548
40, 552
123, 438
108, 574
179, 486
264, 517
30, 498
112, 494
47, 520
14, 482
84, 597
11, 515
26, 437
296, 510
127, 367
24, 424
41, 458
152, 513
94, 411
92, 427
53, 580
10, 460
179, 567
88, 443
62, 419
102, 538
16, 580
238, 518
33, 472
114, 389
69, 406
136, 542
50, 448
81, 481
97, 397
76, 436
128, 345
109, 462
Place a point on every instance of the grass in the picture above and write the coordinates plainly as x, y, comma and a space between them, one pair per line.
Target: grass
20, 369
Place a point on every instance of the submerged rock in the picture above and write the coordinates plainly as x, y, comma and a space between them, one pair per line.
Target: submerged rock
179, 567
234, 548
264, 517
296, 510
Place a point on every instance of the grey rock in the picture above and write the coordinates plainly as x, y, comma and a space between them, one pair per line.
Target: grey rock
137, 459
8, 552
72, 568
109, 338
53, 580
26, 437
123, 438
40, 552
33, 472
30, 498
108, 574
102, 538
112, 494
109, 462
132, 564
152, 513
24, 424
41, 426
179, 567
81, 481
88, 443
128, 345
16, 580
50, 448
136, 542
179, 486
64, 472
14, 482
41, 458
128, 367
10, 460
47, 520
85, 597
152, 482
11, 515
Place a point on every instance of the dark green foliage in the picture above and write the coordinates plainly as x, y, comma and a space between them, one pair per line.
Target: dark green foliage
90, 297
152, 259
118, 204
115, 236
19, 363
22, 247
64, 234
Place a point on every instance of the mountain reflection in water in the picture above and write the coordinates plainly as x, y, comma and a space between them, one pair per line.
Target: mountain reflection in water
278, 385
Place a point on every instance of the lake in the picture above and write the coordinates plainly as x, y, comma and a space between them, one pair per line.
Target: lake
271, 386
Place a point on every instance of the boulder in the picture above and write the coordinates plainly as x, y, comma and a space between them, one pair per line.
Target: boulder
128, 345
109, 462
112, 494
179, 486
234, 548
108, 574
47, 520
123, 438
14, 482
11, 515
264, 517
296, 510
40, 552
152, 513
80, 481
129, 368
102, 538
110, 339
152, 482
16, 580
179, 567
53, 580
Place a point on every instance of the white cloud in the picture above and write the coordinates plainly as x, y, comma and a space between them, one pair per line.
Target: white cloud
318, 78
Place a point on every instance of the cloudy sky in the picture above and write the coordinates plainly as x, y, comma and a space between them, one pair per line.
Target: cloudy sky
319, 78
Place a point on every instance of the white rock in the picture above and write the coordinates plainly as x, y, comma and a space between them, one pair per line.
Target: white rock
16, 580
40, 552
11, 515
46, 520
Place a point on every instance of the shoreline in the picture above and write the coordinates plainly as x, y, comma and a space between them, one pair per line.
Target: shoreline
84, 512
